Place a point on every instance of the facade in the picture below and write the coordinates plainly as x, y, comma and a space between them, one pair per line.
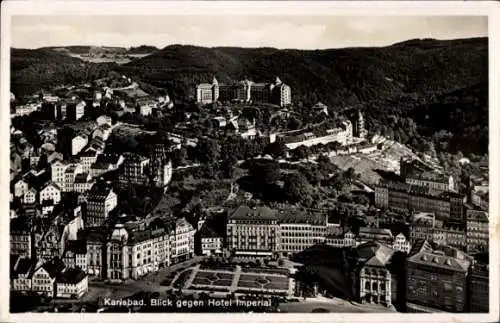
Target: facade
20, 188
253, 232
439, 281
21, 238
244, 91
415, 172
347, 239
211, 242
21, 273
375, 234
71, 283
341, 134
58, 170
75, 254
140, 170
127, 253
479, 291
50, 192
78, 143
477, 236
70, 174
44, 277
83, 183
182, 241
401, 244
87, 159
100, 201
145, 106
372, 273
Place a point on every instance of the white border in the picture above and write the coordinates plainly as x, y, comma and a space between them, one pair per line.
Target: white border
282, 8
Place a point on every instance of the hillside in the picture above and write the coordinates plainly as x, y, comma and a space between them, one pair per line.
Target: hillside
35, 69
336, 76
143, 49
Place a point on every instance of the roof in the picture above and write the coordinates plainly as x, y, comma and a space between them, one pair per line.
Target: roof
258, 213
420, 245
71, 276
108, 158
207, 232
54, 267
77, 246
299, 216
24, 266
99, 193
375, 231
50, 183
439, 260
374, 253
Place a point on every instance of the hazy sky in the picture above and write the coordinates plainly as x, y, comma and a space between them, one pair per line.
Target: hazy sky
247, 31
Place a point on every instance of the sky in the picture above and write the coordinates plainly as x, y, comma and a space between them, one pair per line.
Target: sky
301, 32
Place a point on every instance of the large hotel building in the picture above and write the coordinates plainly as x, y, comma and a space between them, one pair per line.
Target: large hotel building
244, 91
422, 190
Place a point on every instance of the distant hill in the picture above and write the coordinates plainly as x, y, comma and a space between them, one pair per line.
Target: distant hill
36, 69
143, 49
80, 50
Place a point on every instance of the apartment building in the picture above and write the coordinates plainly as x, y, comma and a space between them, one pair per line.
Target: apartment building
479, 288
438, 280
78, 143
211, 242
477, 235
101, 200
182, 241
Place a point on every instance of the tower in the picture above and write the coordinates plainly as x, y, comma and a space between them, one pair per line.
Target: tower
215, 90
360, 128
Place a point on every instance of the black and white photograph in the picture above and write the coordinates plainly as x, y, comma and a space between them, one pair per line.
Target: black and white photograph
248, 163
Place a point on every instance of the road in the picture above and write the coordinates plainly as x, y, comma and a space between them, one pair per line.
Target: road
331, 305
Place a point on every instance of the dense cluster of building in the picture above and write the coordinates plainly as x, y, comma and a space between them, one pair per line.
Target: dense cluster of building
244, 91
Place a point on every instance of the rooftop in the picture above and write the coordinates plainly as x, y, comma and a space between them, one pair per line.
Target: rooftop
71, 276
439, 259
257, 213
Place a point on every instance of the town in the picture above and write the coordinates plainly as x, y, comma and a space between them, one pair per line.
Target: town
232, 200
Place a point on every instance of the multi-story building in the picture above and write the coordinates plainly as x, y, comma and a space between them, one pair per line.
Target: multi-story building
30, 197
44, 277
140, 170
211, 242
21, 238
50, 192
340, 240
416, 172
75, 111
253, 232
100, 201
83, 183
71, 283
87, 158
128, 253
58, 170
299, 230
371, 273
70, 174
449, 235
438, 281
21, 274
244, 91
375, 234
477, 232
78, 143
145, 106
182, 241
401, 243
479, 291
20, 187
75, 254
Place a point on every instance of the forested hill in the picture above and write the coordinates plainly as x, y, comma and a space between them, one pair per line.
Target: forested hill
35, 69
337, 77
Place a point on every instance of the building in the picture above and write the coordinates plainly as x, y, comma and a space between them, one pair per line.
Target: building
75, 111
71, 283
372, 273
340, 240
299, 230
21, 238
50, 192
416, 172
479, 291
70, 174
87, 158
341, 134
438, 281
401, 243
21, 274
58, 169
44, 277
244, 91
20, 187
182, 241
140, 170
477, 232
75, 254
101, 201
30, 197
145, 106
128, 253
253, 232
211, 242
78, 143
375, 234
83, 183
104, 119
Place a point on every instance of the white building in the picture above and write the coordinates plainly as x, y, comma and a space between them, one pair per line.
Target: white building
182, 244
78, 143
211, 242
21, 275
70, 176
100, 201
87, 159
401, 244
58, 169
20, 188
50, 192
72, 283
104, 120
30, 196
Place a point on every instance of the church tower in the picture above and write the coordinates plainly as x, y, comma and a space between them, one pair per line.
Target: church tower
360, 126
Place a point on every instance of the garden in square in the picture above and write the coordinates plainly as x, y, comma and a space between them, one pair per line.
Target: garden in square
263, 282
213, 279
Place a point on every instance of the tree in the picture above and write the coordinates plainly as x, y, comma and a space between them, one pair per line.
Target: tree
228, 166
301, 152
265, 172
208, 151
180, 157
276, 149
296, 187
